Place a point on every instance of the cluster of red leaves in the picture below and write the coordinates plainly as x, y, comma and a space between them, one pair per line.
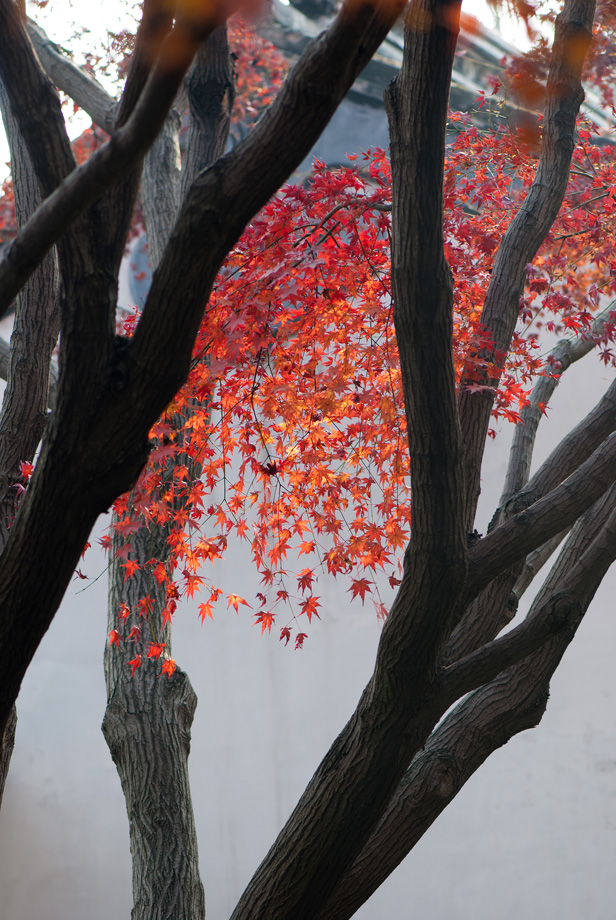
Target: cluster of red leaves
293, 406
260, 70
527, 72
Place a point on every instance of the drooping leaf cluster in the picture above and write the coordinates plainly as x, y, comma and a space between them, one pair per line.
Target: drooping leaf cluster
299, 423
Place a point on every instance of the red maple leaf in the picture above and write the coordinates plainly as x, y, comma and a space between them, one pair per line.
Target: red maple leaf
285, 633
155, 649
145, 605
115, 638
134, 664
131, 567
168, 667
309, 607
362, 587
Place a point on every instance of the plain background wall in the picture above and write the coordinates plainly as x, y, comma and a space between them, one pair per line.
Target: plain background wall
532, 834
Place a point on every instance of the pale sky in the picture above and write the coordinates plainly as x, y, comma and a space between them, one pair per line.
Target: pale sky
58, 16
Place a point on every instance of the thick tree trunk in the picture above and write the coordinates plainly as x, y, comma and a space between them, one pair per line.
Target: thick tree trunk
35, 332
147, 727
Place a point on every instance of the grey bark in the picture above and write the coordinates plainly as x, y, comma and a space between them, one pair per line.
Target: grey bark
148, 719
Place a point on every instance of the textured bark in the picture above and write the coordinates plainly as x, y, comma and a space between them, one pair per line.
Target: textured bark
35, 331
147, 727
86, 92
532, 222
147, 721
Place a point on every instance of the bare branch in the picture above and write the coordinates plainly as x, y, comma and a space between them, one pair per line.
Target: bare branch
562, 356
77, 83
423, 288
35, 333
528, 229
154, 28
573, 450
535, 561
561, 611
550, 515
34, 102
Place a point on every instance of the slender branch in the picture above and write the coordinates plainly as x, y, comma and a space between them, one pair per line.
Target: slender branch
573, 450
529, 227
530, 528
561, 611
535, 561
77, 83
496, 604
562, 356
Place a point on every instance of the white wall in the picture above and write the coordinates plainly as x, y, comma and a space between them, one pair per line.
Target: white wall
533, 834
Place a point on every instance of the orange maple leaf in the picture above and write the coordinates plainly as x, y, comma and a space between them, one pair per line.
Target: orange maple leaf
168, 667
234, 600
155, 649
264, 620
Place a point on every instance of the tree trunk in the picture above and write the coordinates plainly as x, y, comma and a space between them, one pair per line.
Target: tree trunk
148, 718
35, 332
147, 727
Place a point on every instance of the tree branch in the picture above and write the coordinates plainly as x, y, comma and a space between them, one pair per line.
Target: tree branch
529, 227
529, 529
77, 83
535, 561
35, 333
493, 608
85, 184
484, 721
562, 356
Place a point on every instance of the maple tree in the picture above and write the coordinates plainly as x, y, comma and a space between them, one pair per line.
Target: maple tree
312, 380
